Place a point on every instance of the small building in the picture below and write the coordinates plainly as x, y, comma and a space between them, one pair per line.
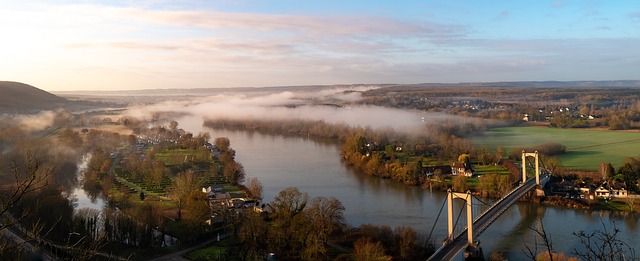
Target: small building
602, 192
461, 169
611, 190
218, 199
583, 188
618, 190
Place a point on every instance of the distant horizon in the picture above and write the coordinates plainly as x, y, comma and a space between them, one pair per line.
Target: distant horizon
430, 84
113, 45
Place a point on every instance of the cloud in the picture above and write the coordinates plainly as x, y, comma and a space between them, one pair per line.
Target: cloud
353, 26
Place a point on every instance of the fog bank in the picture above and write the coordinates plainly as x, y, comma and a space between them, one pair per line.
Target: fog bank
331, 105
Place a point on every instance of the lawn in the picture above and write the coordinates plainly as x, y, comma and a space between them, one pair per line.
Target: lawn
214, 252
585, 148
490, 169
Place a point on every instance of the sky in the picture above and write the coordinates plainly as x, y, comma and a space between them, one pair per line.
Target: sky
63, 45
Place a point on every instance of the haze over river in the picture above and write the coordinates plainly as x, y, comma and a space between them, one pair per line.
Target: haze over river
315, 167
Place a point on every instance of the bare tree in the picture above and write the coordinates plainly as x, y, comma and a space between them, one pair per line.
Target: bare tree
26, 180
546, 242
255, 188
603, 245
365, 250
234, 172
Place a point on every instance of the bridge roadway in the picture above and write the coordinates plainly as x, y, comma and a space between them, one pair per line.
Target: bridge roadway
450, 250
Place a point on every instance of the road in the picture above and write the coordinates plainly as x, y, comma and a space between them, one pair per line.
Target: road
483, 221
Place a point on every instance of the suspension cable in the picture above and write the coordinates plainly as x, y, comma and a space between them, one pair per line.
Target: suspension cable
435, 222
485, 203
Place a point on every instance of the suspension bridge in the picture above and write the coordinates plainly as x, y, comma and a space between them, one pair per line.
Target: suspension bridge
454, 244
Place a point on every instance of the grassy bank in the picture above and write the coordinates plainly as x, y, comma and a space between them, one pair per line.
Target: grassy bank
585, 148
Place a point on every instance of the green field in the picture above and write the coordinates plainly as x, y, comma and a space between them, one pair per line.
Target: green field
585, 148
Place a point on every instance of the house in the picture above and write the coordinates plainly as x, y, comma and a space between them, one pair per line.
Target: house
618, 190
217, 198
562, 187
461, 169
602, 192
583, 188
611, 190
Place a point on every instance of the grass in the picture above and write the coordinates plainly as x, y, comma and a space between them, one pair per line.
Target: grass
586, 149
491, 169
214, 252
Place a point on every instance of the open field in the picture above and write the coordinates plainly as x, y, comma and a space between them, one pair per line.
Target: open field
585, 148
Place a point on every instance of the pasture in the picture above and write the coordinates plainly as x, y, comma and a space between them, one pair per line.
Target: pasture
586, 148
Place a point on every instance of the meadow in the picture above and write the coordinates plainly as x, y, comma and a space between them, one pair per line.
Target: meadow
586, 148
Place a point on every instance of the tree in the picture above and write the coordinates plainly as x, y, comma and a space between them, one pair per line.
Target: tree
173, 126
253, 235
629, 173
489, 184
197, 204
27, 180
183, 184
552, 164
222, 143
406, 240
464, 158
365, 250
500, 153
325, 216
286, 233
460, 183
70, 138
255, 188
606, 170
156, 173
234, 172
546, 242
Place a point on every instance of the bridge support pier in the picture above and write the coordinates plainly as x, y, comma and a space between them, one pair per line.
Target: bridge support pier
473, 252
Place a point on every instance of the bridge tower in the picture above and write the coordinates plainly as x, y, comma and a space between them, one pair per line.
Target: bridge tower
467, 197
524, 166
473, 250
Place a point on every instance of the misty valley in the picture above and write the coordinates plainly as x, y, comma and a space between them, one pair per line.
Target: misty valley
340, 172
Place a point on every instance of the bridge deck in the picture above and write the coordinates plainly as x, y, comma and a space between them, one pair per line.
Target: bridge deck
450, 250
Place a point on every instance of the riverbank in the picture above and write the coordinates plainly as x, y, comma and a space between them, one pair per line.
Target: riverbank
616, 204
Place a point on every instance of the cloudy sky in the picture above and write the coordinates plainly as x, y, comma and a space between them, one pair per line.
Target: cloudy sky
62, 45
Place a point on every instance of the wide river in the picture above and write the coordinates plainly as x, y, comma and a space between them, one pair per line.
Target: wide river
315, 167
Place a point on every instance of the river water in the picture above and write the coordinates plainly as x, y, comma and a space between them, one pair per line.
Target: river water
315, 167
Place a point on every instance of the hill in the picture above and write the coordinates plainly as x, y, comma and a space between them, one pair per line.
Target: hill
23, 98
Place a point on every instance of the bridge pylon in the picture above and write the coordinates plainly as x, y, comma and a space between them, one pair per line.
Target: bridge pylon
524, 165
467, 197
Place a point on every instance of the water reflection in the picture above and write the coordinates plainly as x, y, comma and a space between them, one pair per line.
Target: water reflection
86, 198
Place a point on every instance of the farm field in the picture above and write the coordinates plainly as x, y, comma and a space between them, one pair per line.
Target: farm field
585, 148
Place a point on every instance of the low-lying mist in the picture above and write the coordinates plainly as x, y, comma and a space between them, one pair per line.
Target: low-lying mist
332, 106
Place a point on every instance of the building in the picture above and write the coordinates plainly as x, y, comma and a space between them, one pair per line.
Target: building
611, 190
461, 169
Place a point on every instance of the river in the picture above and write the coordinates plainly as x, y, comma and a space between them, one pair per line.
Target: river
315, 167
